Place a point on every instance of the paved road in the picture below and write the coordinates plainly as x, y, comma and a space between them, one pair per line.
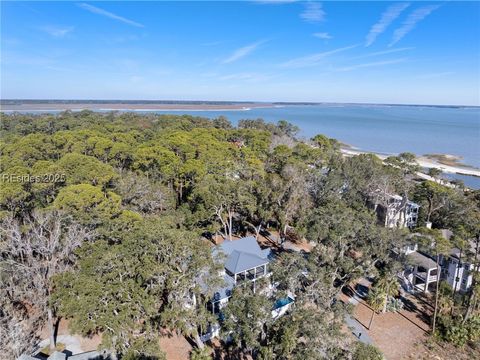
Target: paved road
358, 328
355, 326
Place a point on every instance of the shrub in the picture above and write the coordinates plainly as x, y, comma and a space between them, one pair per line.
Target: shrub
367, 352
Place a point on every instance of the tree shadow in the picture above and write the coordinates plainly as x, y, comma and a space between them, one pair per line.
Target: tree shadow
410, 306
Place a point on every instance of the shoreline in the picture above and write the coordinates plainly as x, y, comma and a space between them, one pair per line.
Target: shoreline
49, 107
425, 162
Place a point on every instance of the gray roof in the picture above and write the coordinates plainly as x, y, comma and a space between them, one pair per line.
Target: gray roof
243, 254
422, 260
239, 261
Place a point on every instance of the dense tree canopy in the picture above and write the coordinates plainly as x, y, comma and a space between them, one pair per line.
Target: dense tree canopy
144, 193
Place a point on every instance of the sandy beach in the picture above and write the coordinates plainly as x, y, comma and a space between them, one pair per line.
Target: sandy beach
427, 162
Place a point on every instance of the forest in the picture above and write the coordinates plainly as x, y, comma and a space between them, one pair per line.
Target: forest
109, 219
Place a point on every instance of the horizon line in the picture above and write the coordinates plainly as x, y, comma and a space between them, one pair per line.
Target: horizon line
232, 102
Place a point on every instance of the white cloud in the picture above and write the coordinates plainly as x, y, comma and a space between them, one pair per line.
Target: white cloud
388, 16
313, 12
97, 10
372, 64
312, 60
383, 52
323, 35
409, 24
242, 52
57, 31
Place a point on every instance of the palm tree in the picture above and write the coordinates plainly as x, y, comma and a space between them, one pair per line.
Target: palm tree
376, 299
388, 286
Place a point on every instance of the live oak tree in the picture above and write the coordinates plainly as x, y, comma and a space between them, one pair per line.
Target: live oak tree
312, 328
32, 253
130, 289
433, 196
247, 318
141, 194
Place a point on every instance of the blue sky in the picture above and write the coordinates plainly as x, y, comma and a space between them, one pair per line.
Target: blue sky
383, 52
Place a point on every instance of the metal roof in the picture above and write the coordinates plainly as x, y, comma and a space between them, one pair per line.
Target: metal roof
239, 261
243, 254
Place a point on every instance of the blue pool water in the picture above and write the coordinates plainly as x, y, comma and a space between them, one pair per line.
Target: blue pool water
282, 302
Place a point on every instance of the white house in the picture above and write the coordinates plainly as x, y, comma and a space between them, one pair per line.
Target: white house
459, 274
398, 212
245, 264
421, 273
457, 268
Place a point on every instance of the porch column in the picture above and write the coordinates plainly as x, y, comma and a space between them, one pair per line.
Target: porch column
426, 281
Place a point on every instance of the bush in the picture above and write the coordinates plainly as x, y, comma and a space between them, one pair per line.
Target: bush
453, 331
367, 352
394, 305
201, 354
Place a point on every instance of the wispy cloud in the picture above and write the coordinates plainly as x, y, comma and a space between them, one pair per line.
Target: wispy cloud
57, 31
315, 59
99, 11
323, 35
371, 64
411, 21
313, 12
383, 52
242, 52
388, 16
